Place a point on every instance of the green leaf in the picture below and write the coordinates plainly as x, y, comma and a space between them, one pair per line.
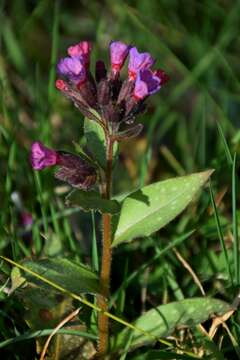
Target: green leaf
164, 319
73, 277
96, 142
92, 200
152, 207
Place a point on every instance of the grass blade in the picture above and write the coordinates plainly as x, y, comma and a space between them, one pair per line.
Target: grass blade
235, 222
220, 234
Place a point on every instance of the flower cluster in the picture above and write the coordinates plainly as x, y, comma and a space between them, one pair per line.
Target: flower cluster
115, 102
106, 99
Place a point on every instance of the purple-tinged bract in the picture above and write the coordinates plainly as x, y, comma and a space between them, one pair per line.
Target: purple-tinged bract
146, 84
138, 61
118, 53
164, 78
42, 157
73, 69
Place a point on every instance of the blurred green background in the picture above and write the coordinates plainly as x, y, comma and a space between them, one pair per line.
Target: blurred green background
191, 124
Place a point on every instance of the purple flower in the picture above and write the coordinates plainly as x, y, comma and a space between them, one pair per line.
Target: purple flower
118, 53
73, 69
146, 84
42, 157
138, 61
82, 49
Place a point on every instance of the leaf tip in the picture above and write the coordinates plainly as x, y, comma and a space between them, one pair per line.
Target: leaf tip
206, 174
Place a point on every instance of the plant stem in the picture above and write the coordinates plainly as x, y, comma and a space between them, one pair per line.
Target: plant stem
106, 258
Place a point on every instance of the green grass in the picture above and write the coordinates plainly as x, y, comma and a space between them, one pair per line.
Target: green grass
191, 125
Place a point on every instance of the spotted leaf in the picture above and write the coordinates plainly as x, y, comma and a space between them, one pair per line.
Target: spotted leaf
161, 321
152, 207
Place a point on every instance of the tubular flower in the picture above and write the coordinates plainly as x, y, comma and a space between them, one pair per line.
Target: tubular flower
118, 53
138, 61
42, 157
72, 169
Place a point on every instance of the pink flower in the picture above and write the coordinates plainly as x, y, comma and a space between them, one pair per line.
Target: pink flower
118, 53
82, 49
42, 157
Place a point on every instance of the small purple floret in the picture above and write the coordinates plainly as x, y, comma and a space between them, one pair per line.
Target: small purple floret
42, 157
146, 84
118, 53
73, 69
138, 61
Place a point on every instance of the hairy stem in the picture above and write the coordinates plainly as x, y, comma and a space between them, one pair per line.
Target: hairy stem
103, 327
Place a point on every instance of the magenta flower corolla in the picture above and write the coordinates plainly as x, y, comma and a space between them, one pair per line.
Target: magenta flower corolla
42, 157
138, 61
118, 53
146, 84
73, 69
82, 49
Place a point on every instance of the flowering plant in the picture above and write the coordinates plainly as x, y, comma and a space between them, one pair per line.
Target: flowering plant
111, 106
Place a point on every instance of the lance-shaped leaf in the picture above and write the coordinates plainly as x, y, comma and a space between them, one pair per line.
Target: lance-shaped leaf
91, 200
96, 142
73, 277
152, 207
161, 321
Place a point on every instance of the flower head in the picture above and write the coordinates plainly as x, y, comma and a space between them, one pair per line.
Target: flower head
42, 157
138, 61
146, 84
106, 98
118, 53
82, 49
73, 69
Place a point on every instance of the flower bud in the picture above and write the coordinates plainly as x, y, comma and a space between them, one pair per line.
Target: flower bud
81, 50
100, 71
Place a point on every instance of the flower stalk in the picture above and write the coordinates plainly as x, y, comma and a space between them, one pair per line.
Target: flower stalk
105, 274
